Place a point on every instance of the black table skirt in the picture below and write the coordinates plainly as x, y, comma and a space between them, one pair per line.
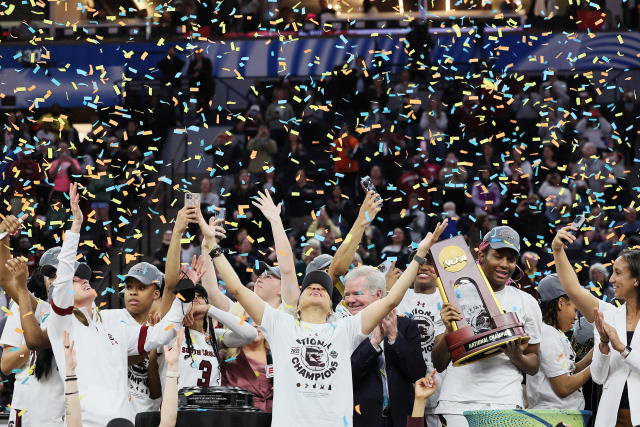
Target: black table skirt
208, 418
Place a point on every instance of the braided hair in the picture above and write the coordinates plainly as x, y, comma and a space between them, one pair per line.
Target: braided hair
550, 311
44, 358
211, 339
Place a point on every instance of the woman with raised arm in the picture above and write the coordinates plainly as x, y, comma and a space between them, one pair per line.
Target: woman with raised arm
311, 350
615, 363
102, 341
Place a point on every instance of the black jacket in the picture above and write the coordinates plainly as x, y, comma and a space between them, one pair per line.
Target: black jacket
404, 365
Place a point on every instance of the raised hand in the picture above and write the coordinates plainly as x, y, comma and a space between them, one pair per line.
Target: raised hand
10, 225
69, 353
213, 232
599, 324
19, 273
392, 275
425, 387
196, 270
188, 214
563, 238
371, 205
431, 238
171, 356
265, 203
74, 197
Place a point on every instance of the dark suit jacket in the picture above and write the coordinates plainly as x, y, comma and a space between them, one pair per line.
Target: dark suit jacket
404, 365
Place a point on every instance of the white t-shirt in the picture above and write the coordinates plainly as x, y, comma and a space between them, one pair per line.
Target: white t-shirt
495, 380
313, 385
200, 369
12, 336
556, 358
138, 374
424, 309
46, 407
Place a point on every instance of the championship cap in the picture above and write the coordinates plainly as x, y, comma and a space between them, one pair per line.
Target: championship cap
50, 257
274, 271
145, 273
319, 263
321, 278
501, 237
550, 288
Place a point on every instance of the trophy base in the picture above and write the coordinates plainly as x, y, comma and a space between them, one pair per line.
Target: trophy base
465, 347
217, 398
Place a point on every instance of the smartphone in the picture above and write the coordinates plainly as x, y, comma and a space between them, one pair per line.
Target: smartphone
191, 199
367, 185
221, 213
578, 223
385, 266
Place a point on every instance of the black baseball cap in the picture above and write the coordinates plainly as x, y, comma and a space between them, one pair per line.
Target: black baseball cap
319, 277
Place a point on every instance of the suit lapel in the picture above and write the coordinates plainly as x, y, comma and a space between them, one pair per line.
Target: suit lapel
621, 323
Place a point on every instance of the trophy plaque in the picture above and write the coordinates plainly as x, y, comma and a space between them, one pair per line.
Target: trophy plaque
485, 328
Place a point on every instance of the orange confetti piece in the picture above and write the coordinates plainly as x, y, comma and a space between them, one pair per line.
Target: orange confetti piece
357, 408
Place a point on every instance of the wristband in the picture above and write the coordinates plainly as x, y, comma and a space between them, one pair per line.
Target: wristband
625, 352
172, 374
215, 252
71, 393
71, 378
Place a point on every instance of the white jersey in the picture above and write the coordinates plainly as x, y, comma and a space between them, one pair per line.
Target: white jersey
556, 358
138, 374
313, 384
424, 309
102, 342
200, 369
495, 380
42, 400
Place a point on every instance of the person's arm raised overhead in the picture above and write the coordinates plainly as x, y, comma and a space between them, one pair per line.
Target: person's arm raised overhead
10, 225
284, 253
169, 409
582, 298
35, 338
252, 303
72, 407
213, 233
344, 255
375, 312
186, 215
62, 298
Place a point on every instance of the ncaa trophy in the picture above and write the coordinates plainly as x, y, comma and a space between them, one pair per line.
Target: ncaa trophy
485, 328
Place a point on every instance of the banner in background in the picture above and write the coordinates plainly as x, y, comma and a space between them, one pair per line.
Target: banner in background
85, 74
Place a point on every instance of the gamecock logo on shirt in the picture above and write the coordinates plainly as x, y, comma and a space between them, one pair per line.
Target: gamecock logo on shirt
314, 359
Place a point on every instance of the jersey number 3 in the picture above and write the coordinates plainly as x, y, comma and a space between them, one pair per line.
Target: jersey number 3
205, 367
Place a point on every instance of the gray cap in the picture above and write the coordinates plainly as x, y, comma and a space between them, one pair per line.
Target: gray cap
550, 288
319, 263
145, 273
50, 257
503, 236
274, 271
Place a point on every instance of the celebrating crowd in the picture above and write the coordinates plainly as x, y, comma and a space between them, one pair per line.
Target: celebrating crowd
350, 345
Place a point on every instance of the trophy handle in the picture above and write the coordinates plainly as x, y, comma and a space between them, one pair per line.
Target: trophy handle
445, 299
491, 291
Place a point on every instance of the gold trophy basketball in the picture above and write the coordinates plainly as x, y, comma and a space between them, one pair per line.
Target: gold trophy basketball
485, 328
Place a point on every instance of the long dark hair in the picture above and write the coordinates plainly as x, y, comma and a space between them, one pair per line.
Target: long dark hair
632, 256
44, 358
